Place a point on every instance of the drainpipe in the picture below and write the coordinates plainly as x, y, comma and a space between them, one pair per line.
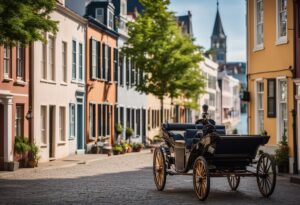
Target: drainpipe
247, 64
295, 110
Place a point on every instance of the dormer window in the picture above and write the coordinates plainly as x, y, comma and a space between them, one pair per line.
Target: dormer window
124, 7
110, 19
100, 15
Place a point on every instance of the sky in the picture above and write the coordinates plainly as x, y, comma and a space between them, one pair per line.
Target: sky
233, 15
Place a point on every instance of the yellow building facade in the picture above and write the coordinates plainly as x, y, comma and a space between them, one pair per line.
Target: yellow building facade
270, 51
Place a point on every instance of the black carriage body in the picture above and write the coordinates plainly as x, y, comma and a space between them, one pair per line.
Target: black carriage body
232, 152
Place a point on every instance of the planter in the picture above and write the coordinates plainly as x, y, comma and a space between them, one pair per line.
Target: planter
137, 149
32, 163
23, 163
95, 150
283, 168
11, 166
116, 152
129, 150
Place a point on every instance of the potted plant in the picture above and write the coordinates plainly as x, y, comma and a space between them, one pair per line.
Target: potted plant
119, 130
282, 155
129, 150
124, 147
21, 147
95, 148
137, 147
117, 149
33, 156
11, 166
129, 133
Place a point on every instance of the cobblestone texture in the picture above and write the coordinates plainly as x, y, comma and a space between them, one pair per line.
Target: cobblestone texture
127, 180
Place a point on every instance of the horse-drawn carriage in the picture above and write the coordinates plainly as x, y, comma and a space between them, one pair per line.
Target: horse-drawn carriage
205, 149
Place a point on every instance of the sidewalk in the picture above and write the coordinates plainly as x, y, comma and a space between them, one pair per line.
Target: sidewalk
66, 162
294, 178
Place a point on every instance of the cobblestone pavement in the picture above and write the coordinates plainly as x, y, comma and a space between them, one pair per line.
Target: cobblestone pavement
127, 179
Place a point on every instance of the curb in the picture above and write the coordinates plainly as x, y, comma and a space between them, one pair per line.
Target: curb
295, 180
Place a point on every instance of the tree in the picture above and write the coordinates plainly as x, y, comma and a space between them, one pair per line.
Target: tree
168, 58
25, 21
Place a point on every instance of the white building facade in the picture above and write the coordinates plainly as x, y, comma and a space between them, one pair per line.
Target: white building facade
59, 87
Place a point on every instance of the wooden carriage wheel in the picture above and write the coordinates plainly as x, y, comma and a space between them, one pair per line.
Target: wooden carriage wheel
201, 178
233, 181
266, 175
159, 169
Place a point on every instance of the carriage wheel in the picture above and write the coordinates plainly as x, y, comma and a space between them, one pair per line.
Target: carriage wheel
159, 169
266, 175
234, 182
201, 178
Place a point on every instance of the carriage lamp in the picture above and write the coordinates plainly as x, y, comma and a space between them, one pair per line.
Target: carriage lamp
29, 114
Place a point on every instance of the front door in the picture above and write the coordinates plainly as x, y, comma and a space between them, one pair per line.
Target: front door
51, 131
1, 136
80, 127
298, 127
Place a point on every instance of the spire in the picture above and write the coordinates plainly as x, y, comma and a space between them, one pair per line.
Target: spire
218, 27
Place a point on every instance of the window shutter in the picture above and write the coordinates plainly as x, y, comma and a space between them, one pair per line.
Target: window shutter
271, 100
98, 67
116, 64
121, 61
103, 61
109, 59
127, 71
91, 58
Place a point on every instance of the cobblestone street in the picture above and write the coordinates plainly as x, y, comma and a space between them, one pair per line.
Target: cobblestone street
127, 179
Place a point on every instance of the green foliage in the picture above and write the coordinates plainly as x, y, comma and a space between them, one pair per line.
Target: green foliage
124, 145
25, 21
21, 145
137, 146
282, 153
129, 132
235, 131
168, 58
117, 148
34, 151
119, 128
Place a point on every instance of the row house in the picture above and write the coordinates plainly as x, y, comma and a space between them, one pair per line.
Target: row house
209, 70
131, 104
272, 65
15, 109
58, 87
229, 100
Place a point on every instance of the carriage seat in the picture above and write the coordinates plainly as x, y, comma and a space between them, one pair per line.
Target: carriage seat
219, 128
176, 136
190, 137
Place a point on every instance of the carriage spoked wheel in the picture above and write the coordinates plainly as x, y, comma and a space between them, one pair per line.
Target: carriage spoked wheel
233, 181
201, 178
266, 175
159, 169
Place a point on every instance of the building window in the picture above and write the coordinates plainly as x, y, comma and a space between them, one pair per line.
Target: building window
110, 20
20, 61
260, 108
122, 64
80, 62
282, 108
74, 60
259, 24
116, 64
138, 122
62, 123
19, 120
105, 61
51, 46
43, 124
7, 62
212, 100
44, 62
94, 61
72, 120
64, 61
271, 98
109, 61
281, 21
212, 82
127, 65
92, 120
100, 15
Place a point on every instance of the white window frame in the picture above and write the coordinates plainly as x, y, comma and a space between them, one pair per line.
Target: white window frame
74, 59
280, 39
257, 46
279, 119
94, 59
19, 120
62, 124
51, 51
20, 67
43, 124
72, 122
99, 18
110, 19
64, 61
7, 61
258, 126
80, 61
44, 73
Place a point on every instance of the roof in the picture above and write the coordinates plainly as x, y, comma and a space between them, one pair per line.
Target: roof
186, 23
218, 30
134, 4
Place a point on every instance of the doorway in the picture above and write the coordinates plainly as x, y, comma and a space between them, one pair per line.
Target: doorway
51, 131
80, 127
1, 136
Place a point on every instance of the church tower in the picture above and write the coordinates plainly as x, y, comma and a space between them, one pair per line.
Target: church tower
218, 40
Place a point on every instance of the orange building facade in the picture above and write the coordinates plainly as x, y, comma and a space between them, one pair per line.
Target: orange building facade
101, 86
